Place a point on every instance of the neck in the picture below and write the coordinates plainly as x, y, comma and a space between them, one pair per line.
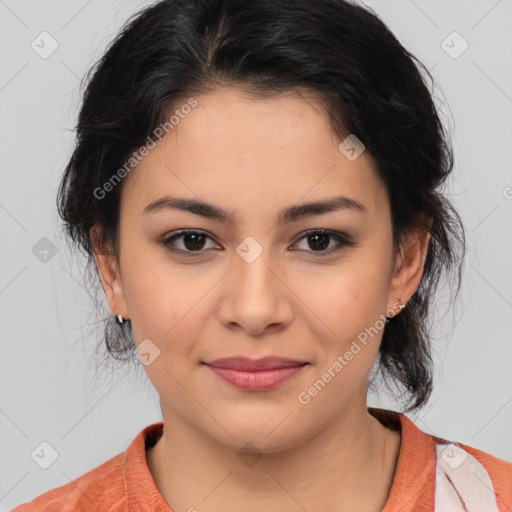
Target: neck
349, 465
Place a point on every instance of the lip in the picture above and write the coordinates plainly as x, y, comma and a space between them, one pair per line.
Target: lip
254, 365
255, 374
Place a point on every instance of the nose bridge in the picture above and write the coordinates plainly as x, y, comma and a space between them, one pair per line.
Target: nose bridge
254, 263
255, 297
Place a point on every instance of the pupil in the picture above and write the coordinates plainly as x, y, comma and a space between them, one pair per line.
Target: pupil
195, 244
325, 239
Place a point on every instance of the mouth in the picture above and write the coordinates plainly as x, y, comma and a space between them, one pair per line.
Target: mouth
254, 365
256, 374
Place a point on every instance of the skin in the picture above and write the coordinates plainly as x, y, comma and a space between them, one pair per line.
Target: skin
254, 157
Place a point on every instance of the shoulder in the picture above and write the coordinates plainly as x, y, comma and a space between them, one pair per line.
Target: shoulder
103, 484
493, 464
484, 471
122, 483
434, 474
467, 478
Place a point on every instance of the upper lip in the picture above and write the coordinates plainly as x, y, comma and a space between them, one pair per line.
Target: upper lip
252, 365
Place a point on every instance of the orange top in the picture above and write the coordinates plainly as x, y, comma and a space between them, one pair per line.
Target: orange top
432, 475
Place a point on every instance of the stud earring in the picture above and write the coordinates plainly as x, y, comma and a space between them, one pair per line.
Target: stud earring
120, 318
400, 306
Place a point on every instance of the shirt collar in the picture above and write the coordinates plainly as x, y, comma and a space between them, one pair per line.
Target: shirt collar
413, 484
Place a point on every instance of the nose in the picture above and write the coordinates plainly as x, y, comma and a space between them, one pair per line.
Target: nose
256, 297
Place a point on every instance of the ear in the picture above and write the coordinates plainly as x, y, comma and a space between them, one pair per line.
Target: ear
409, 266
110, 275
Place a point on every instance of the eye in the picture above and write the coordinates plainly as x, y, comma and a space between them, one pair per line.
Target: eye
192, 241
320, 240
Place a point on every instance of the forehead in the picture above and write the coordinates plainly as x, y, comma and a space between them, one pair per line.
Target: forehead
231, 149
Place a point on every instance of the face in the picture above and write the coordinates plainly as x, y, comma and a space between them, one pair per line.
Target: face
313, 285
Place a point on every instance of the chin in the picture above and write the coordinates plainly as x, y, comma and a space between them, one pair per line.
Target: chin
260, 444
261, 436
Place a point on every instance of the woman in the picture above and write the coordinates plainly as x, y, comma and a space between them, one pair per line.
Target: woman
258, 185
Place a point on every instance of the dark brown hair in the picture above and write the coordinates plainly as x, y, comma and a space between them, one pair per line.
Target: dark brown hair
367, 82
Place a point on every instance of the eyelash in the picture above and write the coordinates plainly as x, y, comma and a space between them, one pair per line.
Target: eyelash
343, 240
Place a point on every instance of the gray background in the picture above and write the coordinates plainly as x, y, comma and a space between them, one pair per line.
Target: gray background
49, 389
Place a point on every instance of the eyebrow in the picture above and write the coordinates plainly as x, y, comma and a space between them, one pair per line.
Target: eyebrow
289, 214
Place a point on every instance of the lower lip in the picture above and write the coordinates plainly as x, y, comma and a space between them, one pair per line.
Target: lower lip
259, 380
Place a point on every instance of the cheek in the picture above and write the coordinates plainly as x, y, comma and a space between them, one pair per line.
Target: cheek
349, 295
168, 305
152, 299
167, 310
346, 305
